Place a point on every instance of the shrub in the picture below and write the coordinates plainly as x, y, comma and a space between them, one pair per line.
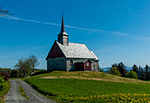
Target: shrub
114, 71
2, 84
131, 74
5, 75
14, 73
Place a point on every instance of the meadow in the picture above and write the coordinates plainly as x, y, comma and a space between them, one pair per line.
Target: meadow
72, 87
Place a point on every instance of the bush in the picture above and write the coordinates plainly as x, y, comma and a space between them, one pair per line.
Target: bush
5, 75
114, 71
4, 87
14, 73
2, 84
131, 74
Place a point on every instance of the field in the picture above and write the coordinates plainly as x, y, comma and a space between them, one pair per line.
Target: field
90, 87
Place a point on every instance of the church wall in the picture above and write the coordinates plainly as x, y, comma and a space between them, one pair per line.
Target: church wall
55, 52
94, 64
56, 64
72, 67
87, 66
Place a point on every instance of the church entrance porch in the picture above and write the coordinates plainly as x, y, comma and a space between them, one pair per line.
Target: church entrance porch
83, 66
79, 66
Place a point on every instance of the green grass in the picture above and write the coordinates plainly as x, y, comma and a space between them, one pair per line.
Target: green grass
3, 92
88, 75
23, 93
81, 90
76, 73
87, 87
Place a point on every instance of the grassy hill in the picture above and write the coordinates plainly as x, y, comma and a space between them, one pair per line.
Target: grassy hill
90, 87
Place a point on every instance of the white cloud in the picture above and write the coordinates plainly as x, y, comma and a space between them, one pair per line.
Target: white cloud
89, 30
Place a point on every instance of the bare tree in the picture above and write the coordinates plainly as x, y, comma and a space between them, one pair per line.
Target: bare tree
34, 61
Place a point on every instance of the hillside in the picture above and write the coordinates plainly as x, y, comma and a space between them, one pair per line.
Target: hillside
87, 75
90, 87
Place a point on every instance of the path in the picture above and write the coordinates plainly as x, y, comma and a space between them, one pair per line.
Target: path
13, 95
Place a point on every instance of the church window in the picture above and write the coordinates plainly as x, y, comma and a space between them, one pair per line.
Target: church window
87, 64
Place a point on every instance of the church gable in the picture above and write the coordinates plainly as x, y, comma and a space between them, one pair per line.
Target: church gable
55, 52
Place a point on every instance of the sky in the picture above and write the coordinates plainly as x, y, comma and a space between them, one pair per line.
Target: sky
116, 30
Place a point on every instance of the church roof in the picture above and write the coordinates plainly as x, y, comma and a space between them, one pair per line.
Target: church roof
76, 50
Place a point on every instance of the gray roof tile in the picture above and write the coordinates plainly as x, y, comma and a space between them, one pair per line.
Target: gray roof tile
76, 50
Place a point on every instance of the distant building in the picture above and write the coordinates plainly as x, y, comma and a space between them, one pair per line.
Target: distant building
69, 56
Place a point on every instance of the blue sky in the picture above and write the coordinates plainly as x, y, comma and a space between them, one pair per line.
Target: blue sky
116, 30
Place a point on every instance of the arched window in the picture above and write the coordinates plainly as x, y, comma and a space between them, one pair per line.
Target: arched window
87, 64
71, 62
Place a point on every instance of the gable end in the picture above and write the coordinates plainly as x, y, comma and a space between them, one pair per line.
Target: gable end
55, 52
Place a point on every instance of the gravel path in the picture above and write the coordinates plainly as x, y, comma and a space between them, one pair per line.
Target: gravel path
13, 95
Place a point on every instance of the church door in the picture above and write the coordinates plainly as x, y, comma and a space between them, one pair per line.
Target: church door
79, 66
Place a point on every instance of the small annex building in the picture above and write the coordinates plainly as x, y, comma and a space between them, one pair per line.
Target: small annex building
67, 56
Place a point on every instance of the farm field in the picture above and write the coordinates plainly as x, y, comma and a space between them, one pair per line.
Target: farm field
90, 87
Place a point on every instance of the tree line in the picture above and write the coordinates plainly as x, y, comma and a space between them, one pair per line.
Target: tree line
137, 72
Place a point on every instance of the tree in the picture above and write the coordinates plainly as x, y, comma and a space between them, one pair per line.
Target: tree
131, 74
24, 68
114, 71
34, 61
140, 73
115, 65
122, 69
135, 68
147, 75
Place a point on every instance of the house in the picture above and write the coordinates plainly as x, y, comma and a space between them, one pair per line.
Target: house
67, 56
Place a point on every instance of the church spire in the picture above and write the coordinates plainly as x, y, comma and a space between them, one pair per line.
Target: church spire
62, 25
63, 36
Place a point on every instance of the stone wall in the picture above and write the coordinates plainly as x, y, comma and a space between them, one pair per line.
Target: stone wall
56, 64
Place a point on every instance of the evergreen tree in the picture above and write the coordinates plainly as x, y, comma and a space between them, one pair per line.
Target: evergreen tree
135, 68
122, 69
147, 72
114, 65
140, 73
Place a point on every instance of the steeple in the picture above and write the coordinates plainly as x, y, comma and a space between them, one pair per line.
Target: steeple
63, 36
62, 25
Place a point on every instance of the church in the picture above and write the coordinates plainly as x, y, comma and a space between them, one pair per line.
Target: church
68, 56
